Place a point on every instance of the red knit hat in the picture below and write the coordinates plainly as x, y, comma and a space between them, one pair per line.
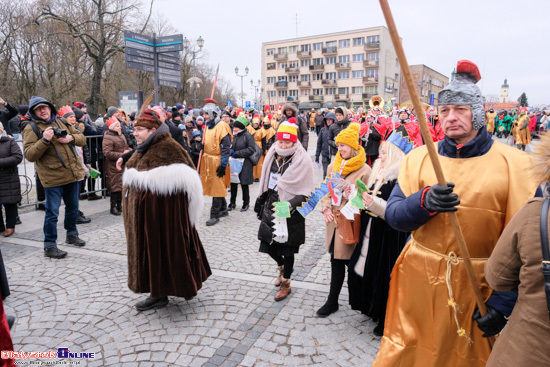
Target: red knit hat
148, 119
288, 131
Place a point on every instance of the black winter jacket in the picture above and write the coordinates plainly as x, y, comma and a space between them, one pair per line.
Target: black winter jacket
333, 132
10, 157
243, 146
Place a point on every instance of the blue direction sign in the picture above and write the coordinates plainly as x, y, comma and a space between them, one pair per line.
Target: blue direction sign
167, 83
170, 48
170, 72
166, 65
169, 59
140, 53
139, 38
171, 78
141, 67
141, 60
169, 40
247, 104
139, 46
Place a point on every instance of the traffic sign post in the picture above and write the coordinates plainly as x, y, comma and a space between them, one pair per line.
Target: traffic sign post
159, 55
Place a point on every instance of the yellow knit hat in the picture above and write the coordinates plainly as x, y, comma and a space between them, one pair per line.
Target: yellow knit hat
350, 136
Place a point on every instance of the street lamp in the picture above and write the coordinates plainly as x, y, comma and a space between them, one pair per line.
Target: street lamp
256, 88
187, 46
242, 76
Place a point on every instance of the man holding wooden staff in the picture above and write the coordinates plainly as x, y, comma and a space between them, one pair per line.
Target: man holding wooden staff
431, 306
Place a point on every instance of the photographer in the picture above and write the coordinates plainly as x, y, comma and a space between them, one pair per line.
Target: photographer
50, 143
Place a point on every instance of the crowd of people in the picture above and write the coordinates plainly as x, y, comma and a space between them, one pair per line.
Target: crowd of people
384, 210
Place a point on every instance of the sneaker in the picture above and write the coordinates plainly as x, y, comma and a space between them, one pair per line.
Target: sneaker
327, 309
75, 240
150, 303
212, 221
54, 253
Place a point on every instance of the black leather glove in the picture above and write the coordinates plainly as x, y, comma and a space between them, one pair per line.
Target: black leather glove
220, 171
492, 323
441, 198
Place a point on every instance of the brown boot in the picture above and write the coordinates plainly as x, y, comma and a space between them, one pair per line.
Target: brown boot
279, 279
284, 290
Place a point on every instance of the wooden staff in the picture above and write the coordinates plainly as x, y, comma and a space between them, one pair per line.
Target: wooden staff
433, 155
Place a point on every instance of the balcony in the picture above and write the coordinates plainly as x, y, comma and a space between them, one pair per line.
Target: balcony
292, 99
370, 80
304, 54
280, 57
343, 66
367, 96
341, 97
328, 82
291, 71
281, 85
372, 46
368, 64
302, 84
316, 98
330, 50
316, 67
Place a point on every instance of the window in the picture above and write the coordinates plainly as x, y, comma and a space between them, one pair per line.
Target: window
282, 65
270, 51
292, 49
330, 91
305, 63
343, 75
372, 72
330, 76
330, 60
293, 93
343, 43
357, 74
306, 47
293, 64
358, 57
317, 91
318, 61
343, 90
283, 93
282, 78
330, 44
356, 90
343, 59
305, 77
271, 93
271, 80
318, 46
293, 78
271, 66
317, 76
373, 56
282, 50
373, 39
373, 89
396, 62
305, 92
359, 41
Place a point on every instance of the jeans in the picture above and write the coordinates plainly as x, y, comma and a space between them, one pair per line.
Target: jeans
69, 193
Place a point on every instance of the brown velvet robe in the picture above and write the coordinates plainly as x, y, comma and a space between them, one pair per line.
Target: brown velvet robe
162, 199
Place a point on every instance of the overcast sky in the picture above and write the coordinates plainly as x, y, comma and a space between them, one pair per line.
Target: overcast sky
506, 39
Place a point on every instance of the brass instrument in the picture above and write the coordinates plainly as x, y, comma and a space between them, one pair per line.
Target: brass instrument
376, 101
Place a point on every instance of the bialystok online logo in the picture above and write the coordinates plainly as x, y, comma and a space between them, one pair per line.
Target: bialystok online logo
61, 353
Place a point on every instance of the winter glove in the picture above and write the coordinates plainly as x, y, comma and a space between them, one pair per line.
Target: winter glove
441, 198
316, 159
492, 323
232, 153
220, 171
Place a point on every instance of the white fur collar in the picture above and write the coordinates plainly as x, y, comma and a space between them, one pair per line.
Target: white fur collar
168, 180
392, 173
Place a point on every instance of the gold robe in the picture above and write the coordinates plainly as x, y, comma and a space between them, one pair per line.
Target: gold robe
211, 159
420, 328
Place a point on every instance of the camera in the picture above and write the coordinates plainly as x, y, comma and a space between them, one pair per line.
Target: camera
60, 133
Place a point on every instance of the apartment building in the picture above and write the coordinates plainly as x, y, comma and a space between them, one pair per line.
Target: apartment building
333, 69
427, 82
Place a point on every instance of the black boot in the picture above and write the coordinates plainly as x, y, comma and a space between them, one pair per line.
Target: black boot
338, 273
149, 303
114, 209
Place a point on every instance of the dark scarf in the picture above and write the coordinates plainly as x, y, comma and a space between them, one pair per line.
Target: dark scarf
479, 146
145, 145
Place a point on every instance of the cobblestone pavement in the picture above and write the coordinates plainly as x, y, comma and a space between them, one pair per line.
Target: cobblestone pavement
83, 302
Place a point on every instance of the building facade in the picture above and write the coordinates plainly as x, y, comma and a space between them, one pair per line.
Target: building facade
330, 69
504, 90
427, 82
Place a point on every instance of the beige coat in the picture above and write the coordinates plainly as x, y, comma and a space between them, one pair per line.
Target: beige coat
516, 263
341, 250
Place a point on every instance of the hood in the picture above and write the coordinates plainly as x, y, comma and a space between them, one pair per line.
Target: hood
344, 109
331, 116
34, 102
292, 107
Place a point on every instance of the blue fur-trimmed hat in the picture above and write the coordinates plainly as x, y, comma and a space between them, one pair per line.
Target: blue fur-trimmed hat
404, 143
